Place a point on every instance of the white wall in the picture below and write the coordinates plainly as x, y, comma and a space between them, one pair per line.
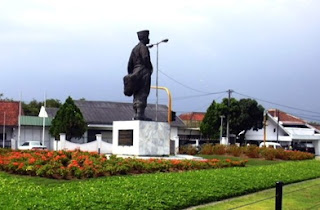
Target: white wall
33, 133
271, 133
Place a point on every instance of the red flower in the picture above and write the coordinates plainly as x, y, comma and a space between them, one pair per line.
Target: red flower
32, 160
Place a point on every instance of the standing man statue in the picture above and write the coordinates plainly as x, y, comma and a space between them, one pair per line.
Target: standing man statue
138, 80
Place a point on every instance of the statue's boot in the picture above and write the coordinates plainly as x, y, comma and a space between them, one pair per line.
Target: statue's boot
135, 114
141, 116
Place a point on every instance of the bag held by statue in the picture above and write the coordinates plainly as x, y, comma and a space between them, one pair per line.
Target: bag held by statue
129, 82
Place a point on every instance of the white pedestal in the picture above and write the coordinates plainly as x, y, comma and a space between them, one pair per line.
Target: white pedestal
149, 138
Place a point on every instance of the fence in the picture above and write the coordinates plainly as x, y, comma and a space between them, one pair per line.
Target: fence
95, 146
278, 198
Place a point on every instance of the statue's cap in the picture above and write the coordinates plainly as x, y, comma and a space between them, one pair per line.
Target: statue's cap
143, 34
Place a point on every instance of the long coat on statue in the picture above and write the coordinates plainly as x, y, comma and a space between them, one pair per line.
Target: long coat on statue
138, 80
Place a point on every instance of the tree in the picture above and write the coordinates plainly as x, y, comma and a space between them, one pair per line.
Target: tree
68, 120
243, 115
33, 107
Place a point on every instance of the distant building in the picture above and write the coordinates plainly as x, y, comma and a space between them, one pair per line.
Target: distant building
285, 129
9, 117
191, 132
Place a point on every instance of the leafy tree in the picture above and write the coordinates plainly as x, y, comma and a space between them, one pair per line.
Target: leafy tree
68, 120
243, 115
33, 107
53, 103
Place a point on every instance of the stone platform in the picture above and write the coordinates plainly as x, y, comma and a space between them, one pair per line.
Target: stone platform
141, 138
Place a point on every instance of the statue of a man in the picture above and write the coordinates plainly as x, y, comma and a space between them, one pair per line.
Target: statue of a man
138, 80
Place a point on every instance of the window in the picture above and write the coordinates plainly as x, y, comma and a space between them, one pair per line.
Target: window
25, 144
274, 130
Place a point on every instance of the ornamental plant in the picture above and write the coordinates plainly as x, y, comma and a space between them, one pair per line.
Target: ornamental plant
78, 164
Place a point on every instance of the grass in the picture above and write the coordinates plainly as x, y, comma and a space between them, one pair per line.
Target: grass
251, 161
304, 195
149, 191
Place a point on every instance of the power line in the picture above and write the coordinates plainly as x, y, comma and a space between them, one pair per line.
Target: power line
182, 83
290, 107
209, 103
195, 96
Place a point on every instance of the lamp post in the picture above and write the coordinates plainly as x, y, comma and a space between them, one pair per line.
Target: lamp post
221, 127
157, 98
4, 130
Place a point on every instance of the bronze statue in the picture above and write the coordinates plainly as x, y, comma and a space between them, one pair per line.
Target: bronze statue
138, 80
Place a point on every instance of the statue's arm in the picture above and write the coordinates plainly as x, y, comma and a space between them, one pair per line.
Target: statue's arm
130, 65
145, 54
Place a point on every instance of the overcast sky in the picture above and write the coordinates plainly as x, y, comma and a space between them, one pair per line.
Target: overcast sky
268, 49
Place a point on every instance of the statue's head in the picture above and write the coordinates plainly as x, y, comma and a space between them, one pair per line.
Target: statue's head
143, 36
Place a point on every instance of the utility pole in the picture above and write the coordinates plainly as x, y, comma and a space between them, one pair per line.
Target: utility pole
265, 127
228, 116
278, 125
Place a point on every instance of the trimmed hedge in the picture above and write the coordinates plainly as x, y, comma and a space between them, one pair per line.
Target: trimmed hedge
149, 191
255, 152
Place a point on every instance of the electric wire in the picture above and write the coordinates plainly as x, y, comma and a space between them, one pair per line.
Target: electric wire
290, 107
196, 96
199, 91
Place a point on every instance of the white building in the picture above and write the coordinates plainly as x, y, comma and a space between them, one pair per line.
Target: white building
285, 129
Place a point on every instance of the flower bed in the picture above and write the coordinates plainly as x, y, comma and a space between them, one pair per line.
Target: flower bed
255, 152
77, 164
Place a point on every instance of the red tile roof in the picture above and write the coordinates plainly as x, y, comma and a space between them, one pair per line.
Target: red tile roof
196, 116
11, 110
315, 126
285, 118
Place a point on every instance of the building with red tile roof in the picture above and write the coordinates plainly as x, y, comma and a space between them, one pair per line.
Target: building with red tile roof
9, 119
192, 119
286, 129
286, 118
9, 113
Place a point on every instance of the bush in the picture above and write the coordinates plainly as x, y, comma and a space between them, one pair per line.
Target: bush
206, 149
268, 153
219, 149
234, 150
188, 149
252, 151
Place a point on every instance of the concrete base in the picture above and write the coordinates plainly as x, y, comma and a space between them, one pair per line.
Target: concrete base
172, 157
149, 138
316, 145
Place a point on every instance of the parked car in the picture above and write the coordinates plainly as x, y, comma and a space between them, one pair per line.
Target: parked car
304, 147
270, 145
32, 145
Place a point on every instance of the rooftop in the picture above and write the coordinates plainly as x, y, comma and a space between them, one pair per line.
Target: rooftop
9, 112
196, 116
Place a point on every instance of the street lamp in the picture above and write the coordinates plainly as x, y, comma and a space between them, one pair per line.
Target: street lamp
221, 127
150, 46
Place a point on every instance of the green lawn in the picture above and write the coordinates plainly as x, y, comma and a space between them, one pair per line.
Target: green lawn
304, 195
149, 191
251, 161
